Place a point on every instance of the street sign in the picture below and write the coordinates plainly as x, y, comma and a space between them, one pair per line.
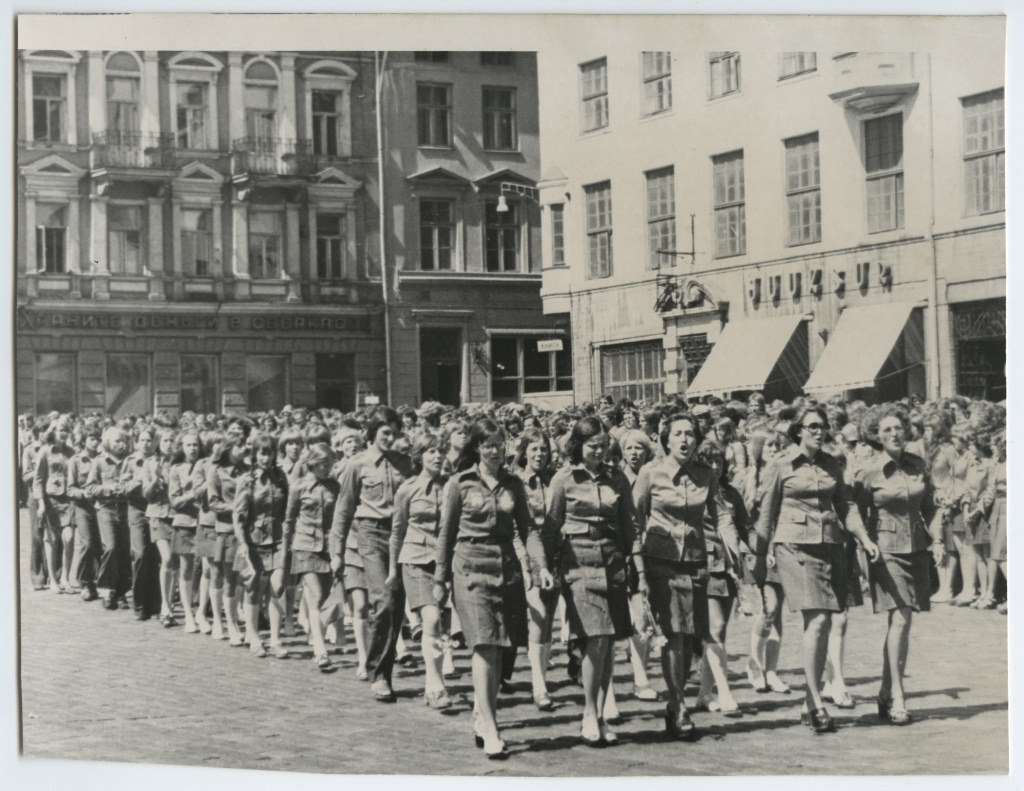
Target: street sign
553, 345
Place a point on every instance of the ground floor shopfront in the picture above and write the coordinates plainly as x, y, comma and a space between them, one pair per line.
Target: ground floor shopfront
123, 359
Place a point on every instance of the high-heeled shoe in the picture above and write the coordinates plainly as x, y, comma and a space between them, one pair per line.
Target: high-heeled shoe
497, 753
819, 721
679, 725
889, 712
591, 736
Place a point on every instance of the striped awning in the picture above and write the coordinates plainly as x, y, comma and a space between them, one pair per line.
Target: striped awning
866, 340
752, 354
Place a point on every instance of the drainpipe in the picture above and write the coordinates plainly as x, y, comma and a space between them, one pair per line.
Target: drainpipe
932, 327
379, 64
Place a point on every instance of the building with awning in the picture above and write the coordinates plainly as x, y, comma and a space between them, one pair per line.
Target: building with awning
769, 355
877, 348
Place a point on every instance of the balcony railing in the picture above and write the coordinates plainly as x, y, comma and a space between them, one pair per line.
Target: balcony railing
273, 156
120, 149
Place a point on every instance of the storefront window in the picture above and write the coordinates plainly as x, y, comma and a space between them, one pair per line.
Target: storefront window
199, 384
266, 383
633, 371
521, 365
128, 390
336, 381
53, 377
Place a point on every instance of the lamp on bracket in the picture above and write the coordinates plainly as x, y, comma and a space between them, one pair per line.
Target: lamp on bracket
523, 190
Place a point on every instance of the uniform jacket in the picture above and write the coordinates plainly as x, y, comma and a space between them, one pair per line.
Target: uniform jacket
896, 502
309, 513
156, 473
261, 498
184, 494
416, 520
368, 486
581, 502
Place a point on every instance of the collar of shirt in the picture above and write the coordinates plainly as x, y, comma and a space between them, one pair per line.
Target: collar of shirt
427, 483
581, 470
375, 454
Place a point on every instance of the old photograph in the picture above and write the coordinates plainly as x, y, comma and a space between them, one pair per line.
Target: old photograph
588, 395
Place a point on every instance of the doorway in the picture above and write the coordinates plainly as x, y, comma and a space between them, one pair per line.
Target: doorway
440, 364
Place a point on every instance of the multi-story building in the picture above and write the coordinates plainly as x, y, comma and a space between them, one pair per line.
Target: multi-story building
202, 230
723, 222
466, 324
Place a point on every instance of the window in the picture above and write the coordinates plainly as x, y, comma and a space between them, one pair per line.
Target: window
196, 241
326, 118
984, 155
199, 384
336, 381
128, 390
633, 371
883, 159
124, 234
803, 190
661, 216
123, 107
330, 246
500, 130
49, 110
54, 391
794, 63
657, 77
558, 235
730, 209
434, 114
425, 56
437, 234
519, 367
599, 229
594, 76
725, 73
261, 114
51, 238
266, 380
265, 244
192, 114
501, 242
497, 59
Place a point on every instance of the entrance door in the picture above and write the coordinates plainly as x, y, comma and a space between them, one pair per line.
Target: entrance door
440, 364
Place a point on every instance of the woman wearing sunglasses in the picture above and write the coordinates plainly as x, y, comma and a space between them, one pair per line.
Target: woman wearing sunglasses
803, 513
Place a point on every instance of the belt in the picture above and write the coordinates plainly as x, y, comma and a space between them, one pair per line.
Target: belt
480, 540
594, 533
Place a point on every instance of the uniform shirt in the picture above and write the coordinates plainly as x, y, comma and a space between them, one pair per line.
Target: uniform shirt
51, 472
472, 511
207, 518
368, 488
804, 501
78, 475
183, 494
309, 512
581, 501
260, 502
674, 504
416, 520
28, 463
104, 482
976, 481
156, 472
896, 502
131, 479
221, 488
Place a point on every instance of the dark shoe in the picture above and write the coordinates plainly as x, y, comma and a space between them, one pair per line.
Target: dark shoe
168, 621
573, 669
459, 641
89, 593
406, 660
110, 601
818, 721
592, 739
883, 708
500, 754
141, 615
679, 725
506, 688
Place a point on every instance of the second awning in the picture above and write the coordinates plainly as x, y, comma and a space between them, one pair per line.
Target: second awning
864, 339
760, 354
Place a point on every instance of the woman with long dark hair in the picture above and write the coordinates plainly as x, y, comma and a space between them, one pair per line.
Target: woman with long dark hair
803, 514
485, 510
591, 511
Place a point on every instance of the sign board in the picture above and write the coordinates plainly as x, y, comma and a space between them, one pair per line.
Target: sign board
371, 400
553, 345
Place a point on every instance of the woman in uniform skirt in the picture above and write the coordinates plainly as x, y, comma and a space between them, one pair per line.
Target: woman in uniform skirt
184, 497
803, 512
227, 466
307, 523
260, 502
894, 495
53, 503
484, 513
591, 510
675, 496
156, 471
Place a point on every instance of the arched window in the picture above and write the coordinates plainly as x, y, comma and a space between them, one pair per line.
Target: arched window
261, 104
194, 93
123, 92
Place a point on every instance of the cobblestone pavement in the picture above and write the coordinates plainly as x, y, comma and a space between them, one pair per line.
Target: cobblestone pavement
100, 686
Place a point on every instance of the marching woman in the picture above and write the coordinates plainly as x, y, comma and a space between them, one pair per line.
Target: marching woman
307, 524
894, 495
206, 532
533, 465
105, 486
591, 511
146, 598
82, 574
53, 503
995, 498
803, 511
227, 466
156, 472
675, 497
940, 456
414, 548
484, 512
185, 496
258, 517
977, 531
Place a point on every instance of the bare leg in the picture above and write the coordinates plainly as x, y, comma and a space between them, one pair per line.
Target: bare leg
431, 645
312, 596
359, 612
187, 565
814, 649
835, 683
204, 596
715, 658
166, 576
486, 672
595, 656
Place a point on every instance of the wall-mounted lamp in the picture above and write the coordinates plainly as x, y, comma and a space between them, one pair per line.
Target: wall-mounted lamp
515, 188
